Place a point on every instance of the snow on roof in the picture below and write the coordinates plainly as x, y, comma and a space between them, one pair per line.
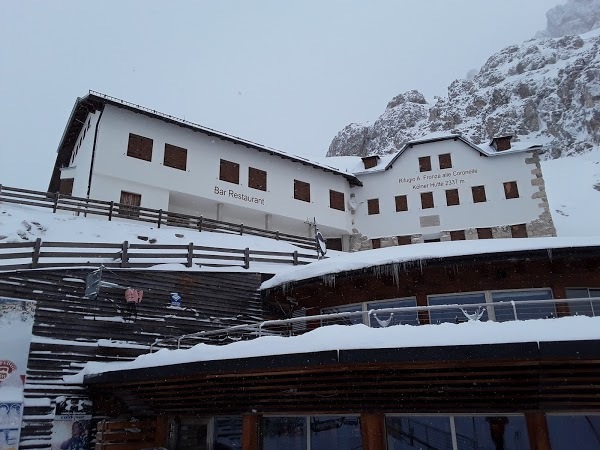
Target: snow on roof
352, 337
420, 252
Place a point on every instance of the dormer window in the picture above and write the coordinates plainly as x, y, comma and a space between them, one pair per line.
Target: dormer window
501, 143
370, 161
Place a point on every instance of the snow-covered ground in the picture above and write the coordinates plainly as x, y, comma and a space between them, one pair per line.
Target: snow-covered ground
341, 337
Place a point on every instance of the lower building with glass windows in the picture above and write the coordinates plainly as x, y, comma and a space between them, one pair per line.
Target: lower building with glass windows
462, 347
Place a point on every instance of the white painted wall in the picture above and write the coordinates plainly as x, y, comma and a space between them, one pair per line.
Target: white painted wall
115, 171
491, 172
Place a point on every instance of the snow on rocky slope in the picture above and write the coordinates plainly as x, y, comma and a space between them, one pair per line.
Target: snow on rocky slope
546, 90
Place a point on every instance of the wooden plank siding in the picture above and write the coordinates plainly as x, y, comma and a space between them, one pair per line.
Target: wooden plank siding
70, 330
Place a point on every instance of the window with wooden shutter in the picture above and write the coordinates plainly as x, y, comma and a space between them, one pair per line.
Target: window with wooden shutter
336, 200
66, 186
334, 244
511, 190
458, 235
404, 240
229, 172
302, 191
445, 161
376, 243
257, 179
484, 233
373, 206
452, 198
518, 231
129, 204
424, 164
401, 203
478, 194
427, 200
139, 147
175, 157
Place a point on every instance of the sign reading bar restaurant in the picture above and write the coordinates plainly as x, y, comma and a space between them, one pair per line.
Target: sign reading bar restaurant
239, 196
16, 324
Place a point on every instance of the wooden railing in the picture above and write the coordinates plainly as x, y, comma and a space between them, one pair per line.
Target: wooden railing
40, 254
85, 206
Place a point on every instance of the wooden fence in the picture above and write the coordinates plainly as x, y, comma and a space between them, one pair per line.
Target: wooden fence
85, 206
41, 254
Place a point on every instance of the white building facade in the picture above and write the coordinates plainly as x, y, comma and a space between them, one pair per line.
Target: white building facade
431, 190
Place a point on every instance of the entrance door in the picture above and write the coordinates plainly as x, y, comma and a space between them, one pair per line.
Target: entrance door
192, 434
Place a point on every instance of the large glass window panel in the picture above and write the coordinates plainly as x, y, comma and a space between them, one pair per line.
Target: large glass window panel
284, 433
418, 432
228, 433
455, 314
584, 308
527, 311
574, 432
358, 318
328, 432
396, 318
491, 433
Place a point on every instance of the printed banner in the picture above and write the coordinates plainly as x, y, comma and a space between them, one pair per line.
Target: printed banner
72, 424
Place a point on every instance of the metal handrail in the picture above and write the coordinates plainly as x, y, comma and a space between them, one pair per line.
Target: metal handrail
258, 327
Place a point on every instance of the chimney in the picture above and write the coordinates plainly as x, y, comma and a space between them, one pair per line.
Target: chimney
370, 161
501, 143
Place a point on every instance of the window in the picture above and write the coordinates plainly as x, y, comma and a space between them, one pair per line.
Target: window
284, 432
336, 200
227, 432
511, 190
334, 244
348, 320
404, 240
175, 157
129, 204
576, 431
454, 314
426, 200
445, 161
302, 191
526, 311
229, 172
257, 179
419, 432
452, 198
518, 231
139, 147
373, 206
376, 320
66, 186
478, 194
401, 203
424, 164
498, 431
458, 235
376, 243
584, 308
484, 233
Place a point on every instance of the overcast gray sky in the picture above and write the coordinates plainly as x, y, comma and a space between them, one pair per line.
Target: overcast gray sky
288, 74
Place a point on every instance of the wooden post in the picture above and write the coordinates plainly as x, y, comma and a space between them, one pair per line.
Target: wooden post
110, 211
246, 258
36, 253
277, 235
124, 255
423, 316
373, 431
200, 224
190, 254
250, 431
162, 431
241, 229
159, 217
537, 428
562, 309
56, 197
295, 254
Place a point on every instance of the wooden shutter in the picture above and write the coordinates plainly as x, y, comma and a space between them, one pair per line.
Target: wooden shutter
424, 164
334, 244
66, 186
401, 203
518, 231
511, 190
404, 240
229, 172
484, 233
458, 235
139, 147
452, 198
175, 157
478, 194
445, 161
427, 200
376, 243
336, 200
373, 206
129, 204
257, 179
302, 191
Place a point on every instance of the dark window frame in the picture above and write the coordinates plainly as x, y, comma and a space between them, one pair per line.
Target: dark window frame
376, 243
401, 203
478, 193
424, 163
229, 171
373, 206
129, 209
140, 147
485, 233
257, 179
511, 190
458, 235
337, 200
518, 231
66, 186
175, 157
302, 191
452, 197
404, 240
445, 160
427, 201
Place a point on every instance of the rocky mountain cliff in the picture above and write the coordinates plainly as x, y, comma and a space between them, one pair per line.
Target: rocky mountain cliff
546, 89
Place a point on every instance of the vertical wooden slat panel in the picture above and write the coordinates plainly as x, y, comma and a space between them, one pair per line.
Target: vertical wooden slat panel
372, 427
250, 434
